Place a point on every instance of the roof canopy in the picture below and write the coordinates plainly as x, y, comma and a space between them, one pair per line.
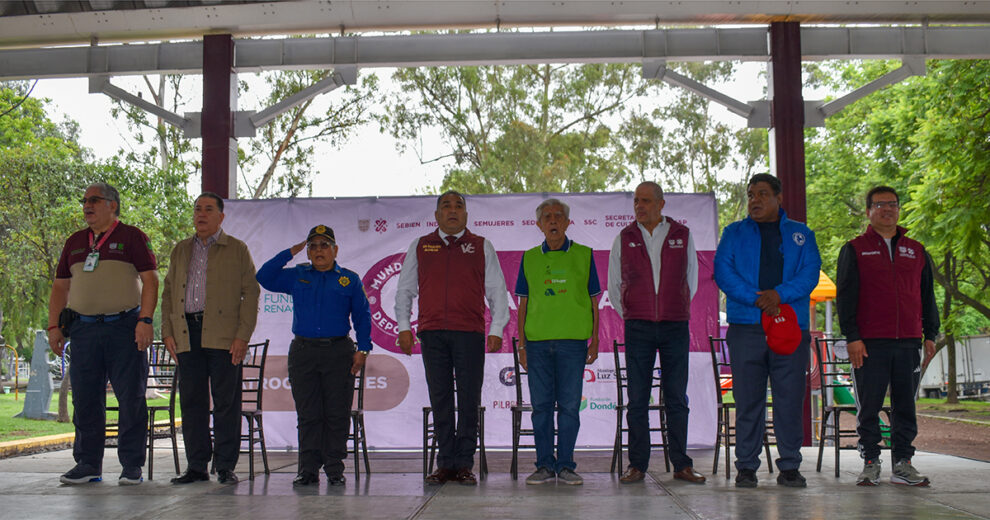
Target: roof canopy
40, 23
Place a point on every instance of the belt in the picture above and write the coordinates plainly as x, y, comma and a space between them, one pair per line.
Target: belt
320, 341
106, 318
194, 316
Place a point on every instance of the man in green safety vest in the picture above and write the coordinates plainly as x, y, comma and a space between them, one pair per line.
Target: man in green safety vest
558, 292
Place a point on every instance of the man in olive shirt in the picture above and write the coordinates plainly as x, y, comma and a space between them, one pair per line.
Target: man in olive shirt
209, 310
108, 275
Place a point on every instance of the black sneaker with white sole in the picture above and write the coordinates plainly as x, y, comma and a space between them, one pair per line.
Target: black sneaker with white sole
81, 474
130, 476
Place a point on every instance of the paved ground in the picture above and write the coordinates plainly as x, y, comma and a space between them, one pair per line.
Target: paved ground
29, 488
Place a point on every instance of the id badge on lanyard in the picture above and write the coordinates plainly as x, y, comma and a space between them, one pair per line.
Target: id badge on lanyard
93, 257
91, 260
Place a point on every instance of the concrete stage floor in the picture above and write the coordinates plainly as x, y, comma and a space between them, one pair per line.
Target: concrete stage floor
29, 489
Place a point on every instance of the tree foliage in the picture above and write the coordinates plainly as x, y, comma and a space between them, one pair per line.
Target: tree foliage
43, 172
283, 150
573, 128
928, 138
520, 128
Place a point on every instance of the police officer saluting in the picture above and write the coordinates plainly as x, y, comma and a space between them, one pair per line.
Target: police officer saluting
322, 359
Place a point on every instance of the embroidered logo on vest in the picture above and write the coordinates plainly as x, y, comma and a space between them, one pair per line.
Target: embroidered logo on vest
799, 238
467, 248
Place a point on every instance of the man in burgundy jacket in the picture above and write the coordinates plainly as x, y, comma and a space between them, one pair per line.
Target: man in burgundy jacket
652, 276
887, 310
453, 271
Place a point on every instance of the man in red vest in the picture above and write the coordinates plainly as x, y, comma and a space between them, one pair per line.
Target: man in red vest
453, 271
886, 303
652, 276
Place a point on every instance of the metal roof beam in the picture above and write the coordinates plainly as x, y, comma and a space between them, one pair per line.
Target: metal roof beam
743, 44
68, 23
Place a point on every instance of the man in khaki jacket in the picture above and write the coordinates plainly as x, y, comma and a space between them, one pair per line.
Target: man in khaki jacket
209, 310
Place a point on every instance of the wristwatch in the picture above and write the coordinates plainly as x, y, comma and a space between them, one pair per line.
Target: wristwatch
147, 320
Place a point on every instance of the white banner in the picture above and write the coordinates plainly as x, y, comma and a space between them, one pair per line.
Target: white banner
373, 235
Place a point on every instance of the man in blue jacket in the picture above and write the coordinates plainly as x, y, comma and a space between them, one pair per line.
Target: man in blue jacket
762, 262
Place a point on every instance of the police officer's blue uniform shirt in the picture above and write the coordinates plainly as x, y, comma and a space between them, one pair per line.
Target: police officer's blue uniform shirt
321, 300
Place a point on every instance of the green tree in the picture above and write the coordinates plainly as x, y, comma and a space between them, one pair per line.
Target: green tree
926, 137
158, 143
688, 149
520, 128
283, 149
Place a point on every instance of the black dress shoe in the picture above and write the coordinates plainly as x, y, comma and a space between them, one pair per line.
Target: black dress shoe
305, 479
226, 476
336, 480
191, 476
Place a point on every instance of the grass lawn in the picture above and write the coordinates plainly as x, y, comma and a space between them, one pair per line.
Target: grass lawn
12, 428
968, 406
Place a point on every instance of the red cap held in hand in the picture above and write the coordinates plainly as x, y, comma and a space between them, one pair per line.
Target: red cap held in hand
783, 332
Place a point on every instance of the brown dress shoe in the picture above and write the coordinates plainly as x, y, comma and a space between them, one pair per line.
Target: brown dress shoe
632, 475
688, 474
440, 476
465, 477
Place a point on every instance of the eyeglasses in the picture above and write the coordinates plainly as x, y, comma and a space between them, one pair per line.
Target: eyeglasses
892, 204
92, 200
318, 245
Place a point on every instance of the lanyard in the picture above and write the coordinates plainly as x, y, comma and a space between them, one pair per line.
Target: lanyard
92, 237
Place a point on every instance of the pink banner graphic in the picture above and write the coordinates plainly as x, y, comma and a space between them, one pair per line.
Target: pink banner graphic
373, 235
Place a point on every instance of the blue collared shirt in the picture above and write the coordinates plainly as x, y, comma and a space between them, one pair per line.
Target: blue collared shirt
594, 287
322, 301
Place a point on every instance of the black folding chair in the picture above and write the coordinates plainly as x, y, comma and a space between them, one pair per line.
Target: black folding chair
725, 431
162, 382
358, 436
835, 380
252, 391
621, 432
430, 439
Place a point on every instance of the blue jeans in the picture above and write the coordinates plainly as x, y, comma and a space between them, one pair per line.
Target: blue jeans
752, 364
643, 340
556, 376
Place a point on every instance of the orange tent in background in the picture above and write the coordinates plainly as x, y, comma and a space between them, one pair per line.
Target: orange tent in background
825, 290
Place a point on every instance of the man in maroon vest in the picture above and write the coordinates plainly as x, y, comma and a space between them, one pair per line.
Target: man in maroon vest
886, 303
652, 276
453, 271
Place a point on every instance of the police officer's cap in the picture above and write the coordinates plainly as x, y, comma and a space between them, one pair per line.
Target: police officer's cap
321, 231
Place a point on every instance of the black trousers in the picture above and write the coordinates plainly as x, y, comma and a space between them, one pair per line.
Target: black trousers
448, 354
323, 390
644, 339
206, 373
101, 352
893, 363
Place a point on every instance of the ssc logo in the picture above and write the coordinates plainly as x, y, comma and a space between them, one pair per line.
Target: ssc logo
799, 238
344, 281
